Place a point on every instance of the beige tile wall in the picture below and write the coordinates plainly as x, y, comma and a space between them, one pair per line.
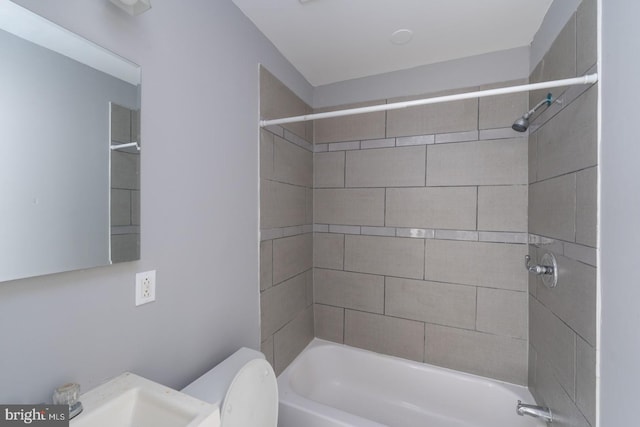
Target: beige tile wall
563, 174
420, 231
286, 215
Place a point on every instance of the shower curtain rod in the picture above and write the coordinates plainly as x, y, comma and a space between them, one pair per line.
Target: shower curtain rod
588, 79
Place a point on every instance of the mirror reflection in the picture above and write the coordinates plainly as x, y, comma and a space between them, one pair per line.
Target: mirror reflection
125, 183
68, 200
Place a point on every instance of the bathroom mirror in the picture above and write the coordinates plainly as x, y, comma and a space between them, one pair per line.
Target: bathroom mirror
69, 201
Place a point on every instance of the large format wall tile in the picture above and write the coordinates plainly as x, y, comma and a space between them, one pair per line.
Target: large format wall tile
552, 207
329, 169
386, 167
308, 277
568, 142
364, 292
587, 207
549, 392
563, 205
503, 312
278, 101
266, 347
266, 154
281, 303
472, 295
501, 111
558, 63
586, 39
328, 251
440, 303
389, 256
574, 299
266, 264
329, 322
286, 200
292, 164
292, 339
586, 380
281, 205
496, 265
495, 162
350, 128
308, 208
291, 256
533, 157
483, 354
349, 206
382, 334
432, 207
446, 117
555, 341
503, 208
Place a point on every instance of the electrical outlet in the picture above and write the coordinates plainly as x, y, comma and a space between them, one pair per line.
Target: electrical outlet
145, 287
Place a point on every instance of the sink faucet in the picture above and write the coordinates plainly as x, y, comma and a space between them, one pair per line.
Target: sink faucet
535, 411
69, 394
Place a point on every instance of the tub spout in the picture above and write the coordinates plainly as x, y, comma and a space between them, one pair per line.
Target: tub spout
541, 412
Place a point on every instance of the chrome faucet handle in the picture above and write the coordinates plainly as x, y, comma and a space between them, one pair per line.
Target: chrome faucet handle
69, 394
536, 268
548, 269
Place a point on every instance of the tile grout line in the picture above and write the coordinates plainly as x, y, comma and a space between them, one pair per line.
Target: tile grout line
476, 316
478, 139
384, 210
426, 163
424, 262
478, 209
344, 251
384, 296
344, 171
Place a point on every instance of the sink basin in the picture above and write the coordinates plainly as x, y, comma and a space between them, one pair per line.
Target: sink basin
132, 401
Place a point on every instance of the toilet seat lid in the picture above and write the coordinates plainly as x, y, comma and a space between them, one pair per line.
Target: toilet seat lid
252, 397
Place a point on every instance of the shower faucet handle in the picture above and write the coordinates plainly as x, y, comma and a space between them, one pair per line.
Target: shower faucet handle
548, 269
536, 268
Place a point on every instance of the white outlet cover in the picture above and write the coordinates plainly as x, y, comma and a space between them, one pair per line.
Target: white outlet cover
145, 281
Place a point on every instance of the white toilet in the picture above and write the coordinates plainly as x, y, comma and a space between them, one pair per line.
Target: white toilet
244, 387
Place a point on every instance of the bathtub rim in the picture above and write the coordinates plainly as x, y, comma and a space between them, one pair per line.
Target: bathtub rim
291, 400
319, 342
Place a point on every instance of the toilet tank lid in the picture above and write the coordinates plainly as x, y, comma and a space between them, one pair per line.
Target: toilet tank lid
212, 386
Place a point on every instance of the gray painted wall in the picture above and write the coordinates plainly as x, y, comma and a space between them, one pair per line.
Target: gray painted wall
199, 209
512, 64
620, 210
61, 160
477, 70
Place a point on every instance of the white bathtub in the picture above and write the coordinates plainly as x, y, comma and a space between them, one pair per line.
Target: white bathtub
335, 385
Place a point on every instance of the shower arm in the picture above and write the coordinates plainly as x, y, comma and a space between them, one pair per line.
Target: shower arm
548, 100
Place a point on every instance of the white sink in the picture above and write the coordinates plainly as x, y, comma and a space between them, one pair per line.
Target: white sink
132, 401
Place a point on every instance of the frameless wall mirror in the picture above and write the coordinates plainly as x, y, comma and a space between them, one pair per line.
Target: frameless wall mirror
64, 103
125, 183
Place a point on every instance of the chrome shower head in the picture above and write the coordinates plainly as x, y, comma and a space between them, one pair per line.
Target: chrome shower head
522, 124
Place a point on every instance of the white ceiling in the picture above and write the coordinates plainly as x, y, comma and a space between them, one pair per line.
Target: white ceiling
336, 40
